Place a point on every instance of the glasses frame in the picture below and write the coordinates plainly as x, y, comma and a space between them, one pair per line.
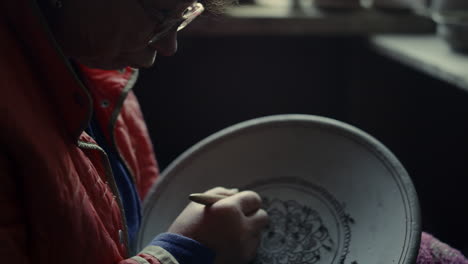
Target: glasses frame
176, 20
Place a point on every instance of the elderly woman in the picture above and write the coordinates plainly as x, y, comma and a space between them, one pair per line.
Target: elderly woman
76, 159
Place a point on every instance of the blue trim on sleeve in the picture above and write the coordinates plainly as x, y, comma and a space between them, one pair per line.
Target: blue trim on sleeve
184, 249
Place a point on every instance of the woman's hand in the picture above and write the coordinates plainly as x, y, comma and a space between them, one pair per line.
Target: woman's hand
231, 227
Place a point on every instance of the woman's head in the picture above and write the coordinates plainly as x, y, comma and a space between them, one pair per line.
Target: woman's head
112, 34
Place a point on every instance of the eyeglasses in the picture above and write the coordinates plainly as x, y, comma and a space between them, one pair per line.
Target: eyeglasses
167, 24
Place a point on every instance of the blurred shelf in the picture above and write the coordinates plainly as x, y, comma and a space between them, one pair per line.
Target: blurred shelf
426, 53
258, 20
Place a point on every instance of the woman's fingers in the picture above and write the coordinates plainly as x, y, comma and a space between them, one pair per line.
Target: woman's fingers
249, 202
222, 191
230, 226
258, 221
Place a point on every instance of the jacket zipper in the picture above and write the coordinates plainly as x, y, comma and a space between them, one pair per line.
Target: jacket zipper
113, 185
109, 174
118, 107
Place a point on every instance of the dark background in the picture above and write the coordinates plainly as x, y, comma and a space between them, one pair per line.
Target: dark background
215, 82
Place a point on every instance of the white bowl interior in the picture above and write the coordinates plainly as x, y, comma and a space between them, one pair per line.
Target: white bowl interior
362, 194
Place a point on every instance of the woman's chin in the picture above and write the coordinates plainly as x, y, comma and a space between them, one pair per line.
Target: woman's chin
142, 60
103, 65
119, 63
138, 66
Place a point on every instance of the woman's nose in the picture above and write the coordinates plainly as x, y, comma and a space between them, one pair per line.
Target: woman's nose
167, 46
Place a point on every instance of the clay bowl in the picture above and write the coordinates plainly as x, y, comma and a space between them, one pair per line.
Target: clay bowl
334, 193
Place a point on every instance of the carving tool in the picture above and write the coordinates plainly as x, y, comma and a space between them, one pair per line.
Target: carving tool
206, 199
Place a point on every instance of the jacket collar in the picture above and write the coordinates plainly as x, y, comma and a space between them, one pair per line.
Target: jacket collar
108, 90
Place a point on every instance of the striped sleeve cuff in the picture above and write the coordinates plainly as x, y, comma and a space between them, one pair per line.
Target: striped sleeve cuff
147, 256
184, 249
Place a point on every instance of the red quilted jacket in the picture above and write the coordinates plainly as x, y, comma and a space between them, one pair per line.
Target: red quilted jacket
58, 199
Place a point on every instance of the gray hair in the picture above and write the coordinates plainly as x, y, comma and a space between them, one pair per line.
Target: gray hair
218, 6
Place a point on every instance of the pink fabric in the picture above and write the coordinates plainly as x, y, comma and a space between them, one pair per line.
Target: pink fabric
432, 251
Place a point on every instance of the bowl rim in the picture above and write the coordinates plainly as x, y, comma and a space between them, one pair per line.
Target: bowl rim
335, 126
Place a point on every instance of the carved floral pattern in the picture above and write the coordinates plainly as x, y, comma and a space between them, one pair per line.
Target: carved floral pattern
296, 234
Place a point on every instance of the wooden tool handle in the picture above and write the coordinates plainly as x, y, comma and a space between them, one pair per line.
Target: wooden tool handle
206, 199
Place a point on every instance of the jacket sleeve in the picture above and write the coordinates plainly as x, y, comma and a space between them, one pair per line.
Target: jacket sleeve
13, 228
